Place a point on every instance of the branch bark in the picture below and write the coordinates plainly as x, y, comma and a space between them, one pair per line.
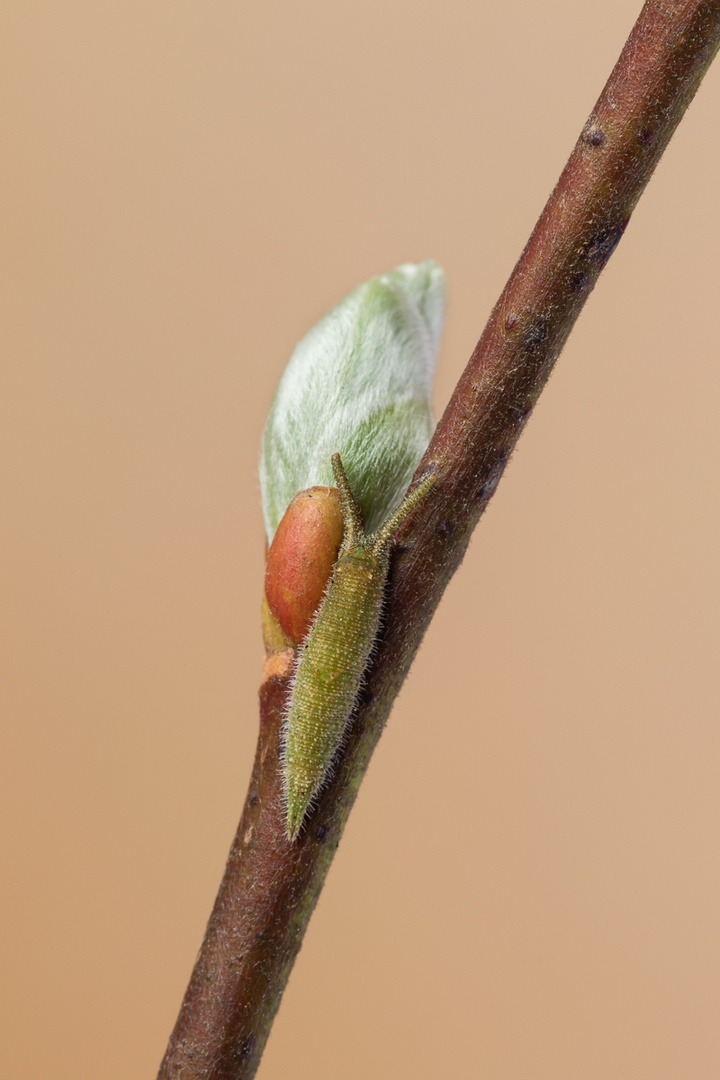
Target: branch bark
270, 887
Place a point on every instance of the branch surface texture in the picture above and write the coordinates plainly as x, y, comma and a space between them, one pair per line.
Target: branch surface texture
270, 886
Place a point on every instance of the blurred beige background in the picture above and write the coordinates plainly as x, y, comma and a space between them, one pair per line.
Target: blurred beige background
188, 187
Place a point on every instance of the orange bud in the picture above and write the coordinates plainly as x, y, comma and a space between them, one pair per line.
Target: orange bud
301, 558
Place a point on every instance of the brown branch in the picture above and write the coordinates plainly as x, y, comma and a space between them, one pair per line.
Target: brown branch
270, 886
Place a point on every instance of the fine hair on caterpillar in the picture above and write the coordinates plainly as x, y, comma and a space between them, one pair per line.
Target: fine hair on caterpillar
333, 658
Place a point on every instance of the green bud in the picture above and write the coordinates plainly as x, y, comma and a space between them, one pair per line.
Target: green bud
359, 384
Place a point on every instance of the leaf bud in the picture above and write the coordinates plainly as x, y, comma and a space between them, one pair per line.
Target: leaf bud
359, 384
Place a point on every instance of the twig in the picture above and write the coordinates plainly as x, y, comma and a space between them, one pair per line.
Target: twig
270, 886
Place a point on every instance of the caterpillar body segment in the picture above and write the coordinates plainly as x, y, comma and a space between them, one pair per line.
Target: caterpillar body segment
333, 658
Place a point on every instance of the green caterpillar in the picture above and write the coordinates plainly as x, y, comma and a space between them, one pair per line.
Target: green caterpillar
334, 655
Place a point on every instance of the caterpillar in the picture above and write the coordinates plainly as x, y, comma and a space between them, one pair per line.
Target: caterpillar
334, 655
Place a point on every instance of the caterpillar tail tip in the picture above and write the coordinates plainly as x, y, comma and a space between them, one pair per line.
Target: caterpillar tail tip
294, 821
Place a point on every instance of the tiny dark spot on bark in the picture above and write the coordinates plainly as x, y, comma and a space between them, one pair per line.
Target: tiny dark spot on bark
491, 480
402, 549
365, 697
510, 323
322, 833
521, 415
580, 281
445, 528
248, 1045
254, 799
535, 335
644, 136
430, 470
593, 136
600, 247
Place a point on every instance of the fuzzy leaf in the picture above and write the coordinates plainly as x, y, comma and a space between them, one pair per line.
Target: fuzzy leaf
358, 384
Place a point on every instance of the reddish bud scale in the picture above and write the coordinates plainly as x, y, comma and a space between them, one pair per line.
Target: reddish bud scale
301, 558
